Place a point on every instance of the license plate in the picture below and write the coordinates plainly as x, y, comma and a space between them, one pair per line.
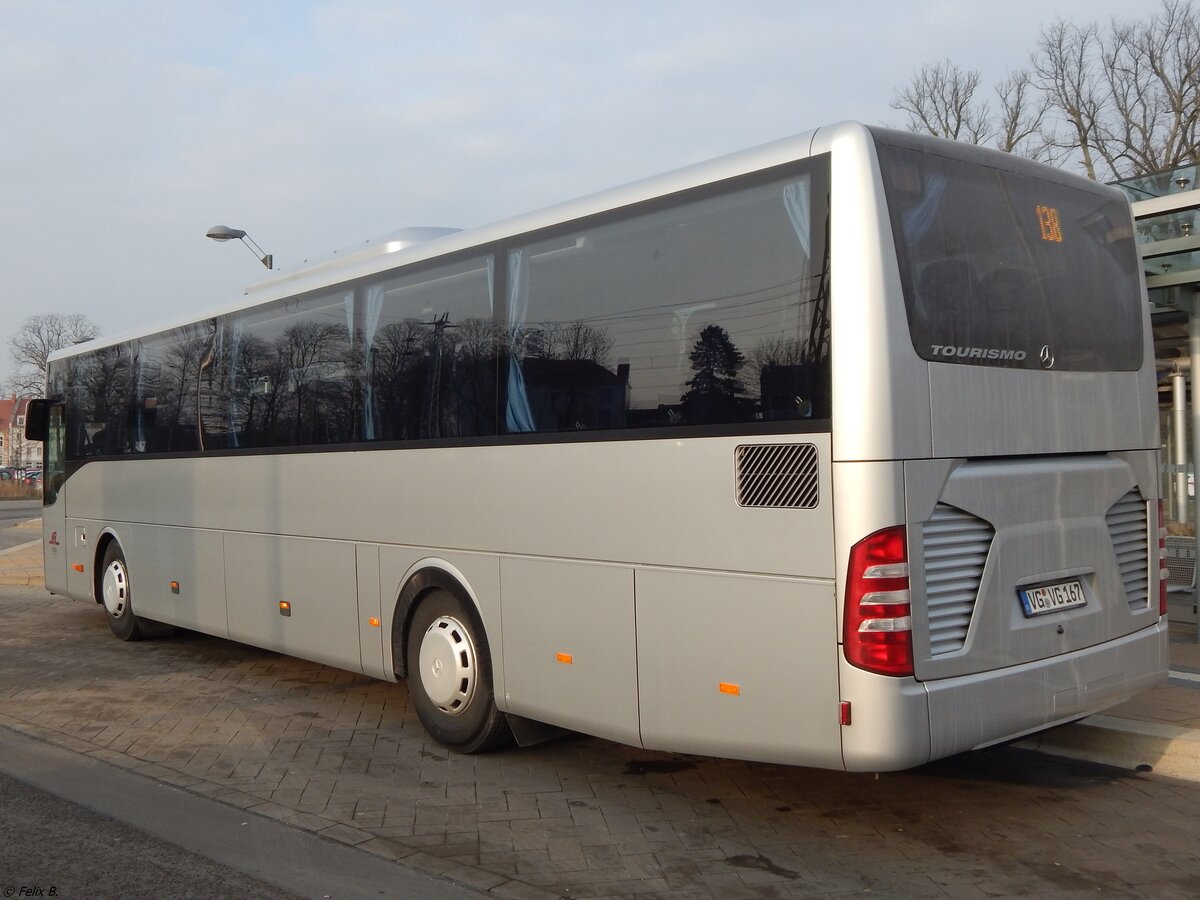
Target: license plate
1049, 598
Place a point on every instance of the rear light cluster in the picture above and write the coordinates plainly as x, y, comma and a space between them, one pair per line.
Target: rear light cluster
1162, 560
878, 615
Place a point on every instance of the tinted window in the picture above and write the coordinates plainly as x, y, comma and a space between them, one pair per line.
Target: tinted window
1004, 268
283, 374
431, 354
701, 313
166, 398
400, 357
707, 313
98, 399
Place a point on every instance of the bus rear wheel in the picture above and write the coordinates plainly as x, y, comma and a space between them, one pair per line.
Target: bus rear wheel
450, 675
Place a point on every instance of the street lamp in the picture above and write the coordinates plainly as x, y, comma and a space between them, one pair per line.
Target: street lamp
225, 233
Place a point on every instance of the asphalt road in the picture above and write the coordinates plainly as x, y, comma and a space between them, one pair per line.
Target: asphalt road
13, 512
50, 847
19, 510
131, 837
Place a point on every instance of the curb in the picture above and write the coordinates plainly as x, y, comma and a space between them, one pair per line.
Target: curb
1124, 743
29, 574
19, 547
406, 853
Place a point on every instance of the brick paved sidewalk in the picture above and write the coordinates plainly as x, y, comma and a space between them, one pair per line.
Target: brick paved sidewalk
22, 564
344, 756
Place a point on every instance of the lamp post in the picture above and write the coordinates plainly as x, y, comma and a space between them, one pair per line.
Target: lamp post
224, 233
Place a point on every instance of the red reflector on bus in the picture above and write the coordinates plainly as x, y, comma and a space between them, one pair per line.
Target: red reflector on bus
877, 635
844, 712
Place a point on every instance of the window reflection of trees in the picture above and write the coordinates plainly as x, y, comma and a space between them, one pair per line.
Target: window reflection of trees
100, 388
567, 380
714, 393
433, 379
295, 388
701, 314
313, 356
715, 313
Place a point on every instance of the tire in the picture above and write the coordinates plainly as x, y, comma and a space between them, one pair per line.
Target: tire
112, 590
450, 675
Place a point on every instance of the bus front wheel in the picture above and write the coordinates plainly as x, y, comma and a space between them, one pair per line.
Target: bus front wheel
116, 596
450, 675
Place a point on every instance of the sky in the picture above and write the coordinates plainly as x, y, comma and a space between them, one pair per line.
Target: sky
129, 128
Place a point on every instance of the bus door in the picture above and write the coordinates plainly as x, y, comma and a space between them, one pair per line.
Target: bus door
55, 546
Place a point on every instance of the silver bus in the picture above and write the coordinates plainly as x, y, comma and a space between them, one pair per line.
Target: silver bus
841, 451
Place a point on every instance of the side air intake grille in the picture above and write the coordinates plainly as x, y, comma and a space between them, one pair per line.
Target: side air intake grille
777, 475
1127, 527
956, 546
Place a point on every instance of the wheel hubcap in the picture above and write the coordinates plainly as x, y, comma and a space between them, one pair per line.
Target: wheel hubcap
115, 589
447, 665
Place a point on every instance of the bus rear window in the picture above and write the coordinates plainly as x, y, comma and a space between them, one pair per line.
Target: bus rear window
1003, 268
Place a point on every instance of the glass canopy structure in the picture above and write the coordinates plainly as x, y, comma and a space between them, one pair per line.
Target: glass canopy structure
1166, 212
1166, 207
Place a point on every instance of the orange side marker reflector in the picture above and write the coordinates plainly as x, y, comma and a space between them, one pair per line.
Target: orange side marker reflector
726, 687
285, 608
373, 622
174, 587
565, 658
78, 567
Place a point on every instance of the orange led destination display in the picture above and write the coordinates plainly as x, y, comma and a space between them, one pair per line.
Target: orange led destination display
1050, 224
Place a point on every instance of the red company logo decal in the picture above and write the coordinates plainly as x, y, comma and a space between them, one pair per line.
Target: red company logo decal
53, 542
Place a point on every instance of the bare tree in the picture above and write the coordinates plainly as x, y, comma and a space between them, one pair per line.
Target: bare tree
1065, 69
940, 100
314, 358
776, 351
1153, 75
1021, 126
1116, 102
39, 336
575, 340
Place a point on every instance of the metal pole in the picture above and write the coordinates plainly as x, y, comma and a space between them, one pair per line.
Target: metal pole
1179, 423
1167, 483
1194, 347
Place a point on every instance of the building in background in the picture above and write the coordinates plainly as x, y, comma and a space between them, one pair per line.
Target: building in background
15, 451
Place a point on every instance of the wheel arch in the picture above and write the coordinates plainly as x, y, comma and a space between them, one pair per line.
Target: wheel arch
427, 575
107, 537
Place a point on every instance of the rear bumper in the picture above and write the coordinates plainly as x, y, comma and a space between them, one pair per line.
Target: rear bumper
900, 723
974, 711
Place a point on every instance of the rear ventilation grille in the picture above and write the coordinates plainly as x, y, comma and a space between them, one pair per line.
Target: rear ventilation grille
955, 545
1127, 527
777, 475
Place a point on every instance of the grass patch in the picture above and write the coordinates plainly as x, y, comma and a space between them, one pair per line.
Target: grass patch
17, 490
